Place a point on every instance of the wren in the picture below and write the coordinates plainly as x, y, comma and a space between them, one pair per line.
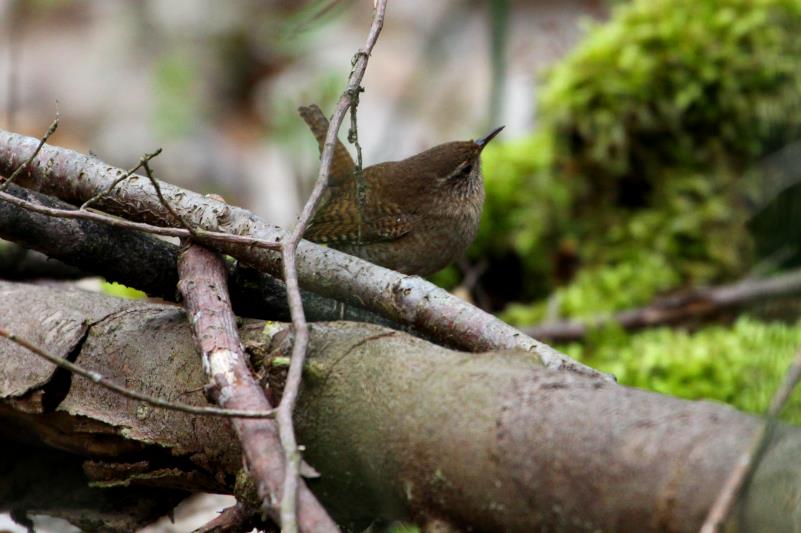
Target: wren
414, 216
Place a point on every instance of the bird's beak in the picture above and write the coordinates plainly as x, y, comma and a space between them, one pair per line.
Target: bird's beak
482, 142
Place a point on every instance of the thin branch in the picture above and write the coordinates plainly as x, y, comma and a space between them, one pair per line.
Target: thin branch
782, 395
353, 138
50, 131
144, 163
693, 305
188, 230
128, 393
141, 226
353, 131
749, 460
208, 306
286, 429
166, 204
301, 333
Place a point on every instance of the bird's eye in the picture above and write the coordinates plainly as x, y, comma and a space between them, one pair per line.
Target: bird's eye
467, 169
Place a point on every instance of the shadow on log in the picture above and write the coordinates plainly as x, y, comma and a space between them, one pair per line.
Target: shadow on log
39, 480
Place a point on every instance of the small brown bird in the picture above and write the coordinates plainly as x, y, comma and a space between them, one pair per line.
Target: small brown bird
414, 216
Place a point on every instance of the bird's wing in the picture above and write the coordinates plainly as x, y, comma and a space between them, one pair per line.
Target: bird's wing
338, 220
342, 166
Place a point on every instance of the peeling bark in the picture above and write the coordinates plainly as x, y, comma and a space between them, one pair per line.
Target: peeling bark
55, 484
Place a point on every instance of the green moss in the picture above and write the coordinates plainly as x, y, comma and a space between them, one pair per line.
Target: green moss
521, 194
741, 365
526, 208
636, 176
602, 291
121, 291
680, 83
644, 132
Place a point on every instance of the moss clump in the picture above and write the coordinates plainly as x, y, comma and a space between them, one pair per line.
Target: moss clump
741, 365
633, 186
644, 133
121, 291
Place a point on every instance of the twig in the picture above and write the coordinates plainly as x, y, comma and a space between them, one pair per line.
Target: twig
166, 204
188, 230
693, 305
145, 158
144, 163
301, 332
353, 131
749, 460
353, 138
791, 379
156, 402
50, 131
204, 287
141, 226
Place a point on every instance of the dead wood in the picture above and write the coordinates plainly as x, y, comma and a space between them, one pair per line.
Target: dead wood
203, 286
75, 178
397, 427
100, 250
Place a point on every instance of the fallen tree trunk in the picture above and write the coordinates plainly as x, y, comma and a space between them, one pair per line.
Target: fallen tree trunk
397, 427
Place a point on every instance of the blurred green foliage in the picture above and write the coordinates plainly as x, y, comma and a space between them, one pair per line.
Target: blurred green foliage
741, 365
644, 131
632, 186
177, 101
525, 205
679, 83
401, 527
286, 124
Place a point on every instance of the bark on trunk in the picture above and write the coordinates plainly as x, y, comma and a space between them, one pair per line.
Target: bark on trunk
397, 427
